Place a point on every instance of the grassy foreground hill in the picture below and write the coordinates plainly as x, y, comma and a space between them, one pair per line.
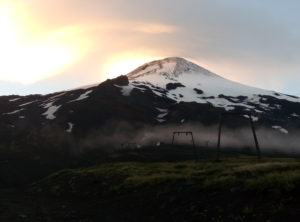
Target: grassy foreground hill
236, 189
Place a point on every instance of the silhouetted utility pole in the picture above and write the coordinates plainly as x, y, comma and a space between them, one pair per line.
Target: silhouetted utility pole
254, 136
219, 136
221, 116
192, 137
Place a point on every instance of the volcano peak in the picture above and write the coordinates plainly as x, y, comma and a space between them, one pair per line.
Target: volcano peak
170, 67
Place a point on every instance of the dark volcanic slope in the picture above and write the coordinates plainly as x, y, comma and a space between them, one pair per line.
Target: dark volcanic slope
172, 90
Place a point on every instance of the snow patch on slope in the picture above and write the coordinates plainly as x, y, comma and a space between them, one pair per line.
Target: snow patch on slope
254, 118
58, 95
82, 96
71, 126
279, 128
25, 104
13, 112
52, 109
13, 100
160, 120
163, 113
161, 110
126, 90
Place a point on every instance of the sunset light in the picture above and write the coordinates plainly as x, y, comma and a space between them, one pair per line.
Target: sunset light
125, 63
51, 45
26, 61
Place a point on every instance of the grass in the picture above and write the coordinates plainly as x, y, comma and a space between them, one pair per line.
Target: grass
235, 189
150, 185
244, 173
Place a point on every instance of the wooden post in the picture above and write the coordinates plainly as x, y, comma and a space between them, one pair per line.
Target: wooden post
187, 133
255, 137
173, 138
219, 136
195, 150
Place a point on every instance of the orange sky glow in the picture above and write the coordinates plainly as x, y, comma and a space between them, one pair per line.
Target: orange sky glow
29, 53
32, 53
53, 45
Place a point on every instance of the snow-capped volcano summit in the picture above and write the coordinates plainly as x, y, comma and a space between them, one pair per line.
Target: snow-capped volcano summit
184, 81
170, 67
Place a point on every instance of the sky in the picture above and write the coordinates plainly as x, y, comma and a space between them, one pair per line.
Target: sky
54, 45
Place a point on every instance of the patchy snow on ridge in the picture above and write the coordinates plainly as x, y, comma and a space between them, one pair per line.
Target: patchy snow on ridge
25, 104
254, 118
71, 126
161, 110
126, 90
280, 129
51, 110
58, 95
163, 113
160, 120
13, 100
294, 115
13, 112
83, 96
47, 105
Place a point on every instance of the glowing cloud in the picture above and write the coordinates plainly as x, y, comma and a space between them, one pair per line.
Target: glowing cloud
155, 28
124, 63
29, 61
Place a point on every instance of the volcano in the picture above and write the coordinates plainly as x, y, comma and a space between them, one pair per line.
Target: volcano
167, 91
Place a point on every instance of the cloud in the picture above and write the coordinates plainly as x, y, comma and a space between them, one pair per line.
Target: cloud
153, 28
254, 42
